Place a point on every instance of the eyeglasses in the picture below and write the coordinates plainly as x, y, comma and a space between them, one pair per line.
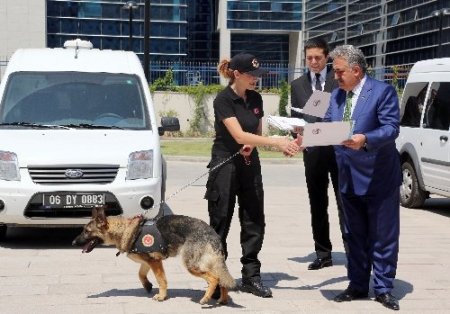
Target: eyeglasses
317, 58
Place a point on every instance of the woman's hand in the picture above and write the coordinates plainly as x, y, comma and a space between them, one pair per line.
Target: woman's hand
289, 148
299, 141
246, 150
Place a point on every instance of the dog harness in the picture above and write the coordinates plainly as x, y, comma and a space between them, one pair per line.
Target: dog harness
149, 239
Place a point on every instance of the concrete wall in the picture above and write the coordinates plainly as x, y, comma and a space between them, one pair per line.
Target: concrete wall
184, 106
22, 25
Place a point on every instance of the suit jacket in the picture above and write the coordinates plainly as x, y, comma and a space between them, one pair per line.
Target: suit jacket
376, 169
301, 90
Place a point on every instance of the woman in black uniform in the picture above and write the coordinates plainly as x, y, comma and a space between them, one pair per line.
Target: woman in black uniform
238, 111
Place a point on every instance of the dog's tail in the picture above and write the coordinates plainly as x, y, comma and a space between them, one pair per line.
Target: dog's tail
225, 278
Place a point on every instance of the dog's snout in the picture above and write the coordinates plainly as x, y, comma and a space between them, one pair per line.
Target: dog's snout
76, 241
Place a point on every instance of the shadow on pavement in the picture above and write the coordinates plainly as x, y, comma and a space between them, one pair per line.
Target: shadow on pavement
339, 258
401, 287
40, 238
440, 206
194, 294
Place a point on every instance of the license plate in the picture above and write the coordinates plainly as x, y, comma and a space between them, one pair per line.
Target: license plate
70, 200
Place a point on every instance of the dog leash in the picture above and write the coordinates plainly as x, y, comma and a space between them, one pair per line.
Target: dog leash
247, 162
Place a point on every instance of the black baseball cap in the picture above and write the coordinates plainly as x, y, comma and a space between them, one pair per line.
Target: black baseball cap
246, 63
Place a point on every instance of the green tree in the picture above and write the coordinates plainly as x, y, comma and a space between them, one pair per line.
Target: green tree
284, 98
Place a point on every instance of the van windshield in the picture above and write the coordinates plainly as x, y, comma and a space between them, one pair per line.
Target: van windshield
74, 99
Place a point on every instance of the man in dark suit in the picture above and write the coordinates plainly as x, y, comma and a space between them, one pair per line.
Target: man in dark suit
320, 162
369, 175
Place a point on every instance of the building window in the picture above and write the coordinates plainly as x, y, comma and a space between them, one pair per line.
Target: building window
395, 19
334, 37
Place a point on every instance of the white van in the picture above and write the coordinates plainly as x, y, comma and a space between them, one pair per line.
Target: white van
424, 133
77, 130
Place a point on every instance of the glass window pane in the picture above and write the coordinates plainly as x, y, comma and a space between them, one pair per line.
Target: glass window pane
414, 100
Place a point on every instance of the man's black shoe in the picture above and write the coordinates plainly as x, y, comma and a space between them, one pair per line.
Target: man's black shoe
255, 286
388, 300
216, 293
320, 263
350, 294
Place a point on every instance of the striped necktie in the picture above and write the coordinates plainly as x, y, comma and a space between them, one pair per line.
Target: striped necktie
348, 107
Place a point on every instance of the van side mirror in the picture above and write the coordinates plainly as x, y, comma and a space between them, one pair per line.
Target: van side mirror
169, 124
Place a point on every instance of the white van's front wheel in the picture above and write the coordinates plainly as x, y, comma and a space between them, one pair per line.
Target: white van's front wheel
411, 195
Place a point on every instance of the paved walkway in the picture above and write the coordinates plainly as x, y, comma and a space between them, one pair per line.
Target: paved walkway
41, 273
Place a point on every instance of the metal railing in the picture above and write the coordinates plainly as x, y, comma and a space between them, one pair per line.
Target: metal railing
195, 73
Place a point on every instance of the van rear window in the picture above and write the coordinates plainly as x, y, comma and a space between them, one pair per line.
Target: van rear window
437, 110
413, 102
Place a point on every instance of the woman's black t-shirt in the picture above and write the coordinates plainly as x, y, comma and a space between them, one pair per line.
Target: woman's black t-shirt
226, 105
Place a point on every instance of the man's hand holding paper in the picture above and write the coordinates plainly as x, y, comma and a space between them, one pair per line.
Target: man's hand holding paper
323, 133
326, 133
318, 133
356, 142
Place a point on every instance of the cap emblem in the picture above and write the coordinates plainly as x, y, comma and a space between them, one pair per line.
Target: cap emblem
255, 63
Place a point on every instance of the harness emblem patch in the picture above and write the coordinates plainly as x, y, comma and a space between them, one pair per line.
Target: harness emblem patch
148, 240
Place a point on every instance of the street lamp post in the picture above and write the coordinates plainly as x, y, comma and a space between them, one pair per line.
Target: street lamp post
440, 14
147, 40
130, 6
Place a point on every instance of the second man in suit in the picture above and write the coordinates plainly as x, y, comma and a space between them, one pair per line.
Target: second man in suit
369, 176
320, 162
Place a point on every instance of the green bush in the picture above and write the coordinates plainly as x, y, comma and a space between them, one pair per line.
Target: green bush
164, 83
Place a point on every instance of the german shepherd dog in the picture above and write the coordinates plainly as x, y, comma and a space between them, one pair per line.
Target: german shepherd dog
197, 243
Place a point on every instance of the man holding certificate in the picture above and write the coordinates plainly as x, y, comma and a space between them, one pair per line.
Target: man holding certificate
319, 161
369, 175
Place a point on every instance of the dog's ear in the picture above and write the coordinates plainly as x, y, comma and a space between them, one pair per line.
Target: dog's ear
94, 213
98, 214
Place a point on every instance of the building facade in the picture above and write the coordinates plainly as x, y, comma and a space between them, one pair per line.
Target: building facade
183, 31
389, 32
107, 25
180, 30
270, 30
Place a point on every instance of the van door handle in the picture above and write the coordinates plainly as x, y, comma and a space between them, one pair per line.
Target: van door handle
444, 138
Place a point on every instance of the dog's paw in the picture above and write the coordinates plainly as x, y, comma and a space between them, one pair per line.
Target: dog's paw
148, 286
222, 301
159, 297
204, 300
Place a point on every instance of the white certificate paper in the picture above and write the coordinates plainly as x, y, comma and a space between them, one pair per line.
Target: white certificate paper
326, 133
285, 123
317, 105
